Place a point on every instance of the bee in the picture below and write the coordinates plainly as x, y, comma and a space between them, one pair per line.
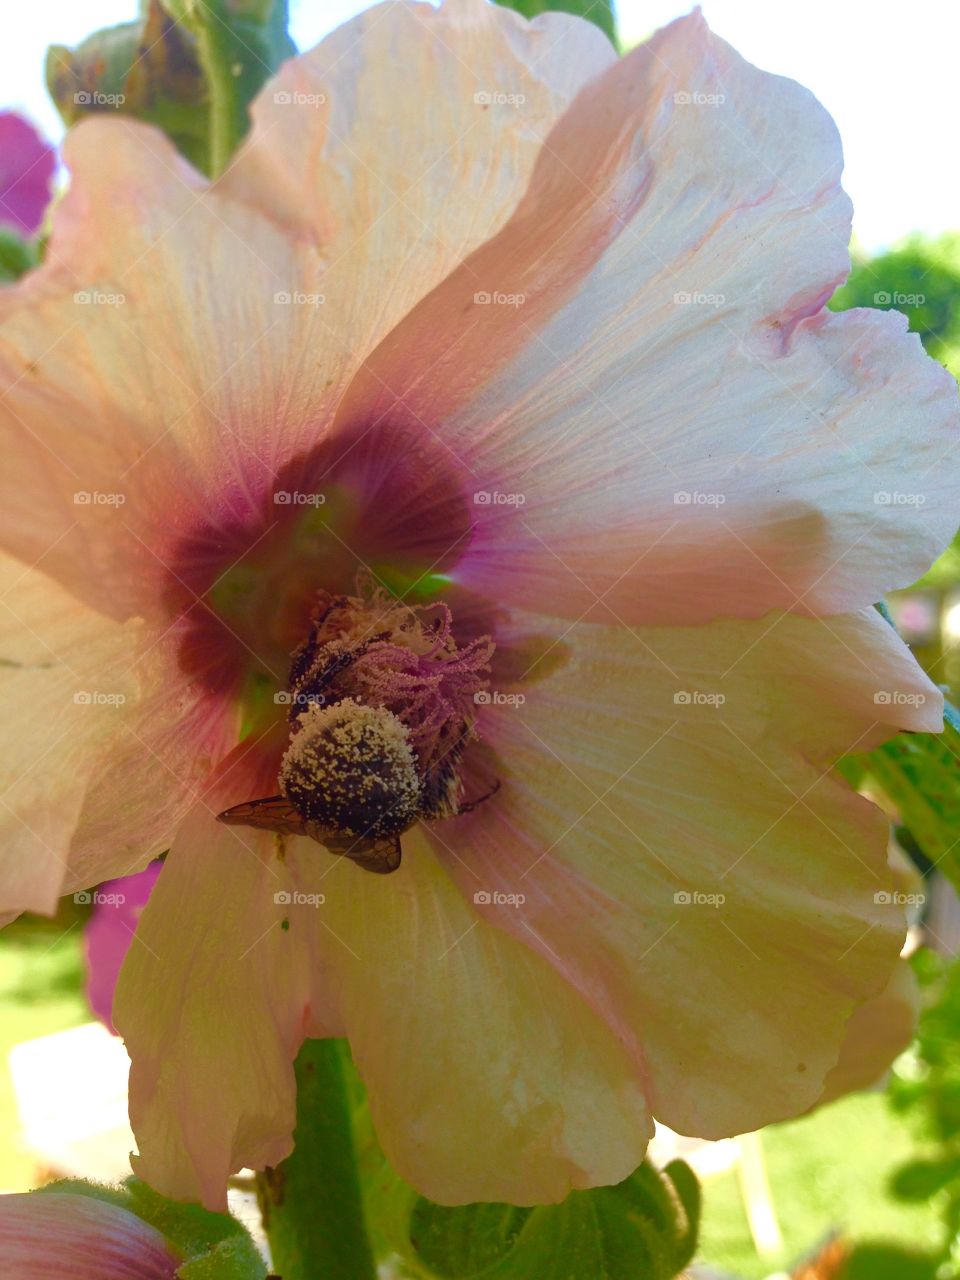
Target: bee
380, 854
351, 778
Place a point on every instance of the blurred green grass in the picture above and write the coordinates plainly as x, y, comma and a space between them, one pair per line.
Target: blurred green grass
41, 991
829, 1172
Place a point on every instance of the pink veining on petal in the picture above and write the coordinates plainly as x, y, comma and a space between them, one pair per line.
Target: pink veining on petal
27, 166
109, 932
51, 1235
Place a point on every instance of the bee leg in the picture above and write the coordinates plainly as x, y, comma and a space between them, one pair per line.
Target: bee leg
472, 804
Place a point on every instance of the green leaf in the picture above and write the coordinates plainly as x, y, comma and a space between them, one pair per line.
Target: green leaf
920, 773
148, 69
16, 255
599, 12
643, 1229
920, 1180
190, 67
239, 44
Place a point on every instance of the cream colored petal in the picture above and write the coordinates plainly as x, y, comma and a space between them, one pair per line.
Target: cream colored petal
67, 689
489, 1077
877, 1032
405, 139
213, 1002
692, 865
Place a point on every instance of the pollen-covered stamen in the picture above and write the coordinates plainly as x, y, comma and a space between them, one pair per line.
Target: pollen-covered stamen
350, 768
382, 653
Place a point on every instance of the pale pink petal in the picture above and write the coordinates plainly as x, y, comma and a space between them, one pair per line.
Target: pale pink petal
691, 205
213, 1002
626, 784
51, 1235
156, 763
68, 687
27, 166
877, 1033
350, 149
159, 371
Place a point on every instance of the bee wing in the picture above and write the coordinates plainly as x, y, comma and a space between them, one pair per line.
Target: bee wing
380, 854
272, 813
276, 813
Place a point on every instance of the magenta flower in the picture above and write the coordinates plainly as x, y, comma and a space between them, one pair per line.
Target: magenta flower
27, 166
108, 935
474, 474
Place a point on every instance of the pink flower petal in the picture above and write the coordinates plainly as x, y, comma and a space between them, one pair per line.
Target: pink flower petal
27, 166
397, 188
51, 1235
696, 203
109, 933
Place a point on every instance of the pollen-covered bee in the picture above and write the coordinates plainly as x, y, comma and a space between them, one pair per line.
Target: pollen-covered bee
380, 720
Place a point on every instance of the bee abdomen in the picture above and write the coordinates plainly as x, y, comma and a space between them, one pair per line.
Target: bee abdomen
350, 767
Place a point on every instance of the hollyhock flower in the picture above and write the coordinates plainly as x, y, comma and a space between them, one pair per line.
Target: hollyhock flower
49, 1234
108, 934
27, 166
471, 473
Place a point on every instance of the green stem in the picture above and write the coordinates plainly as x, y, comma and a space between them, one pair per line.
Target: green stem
216, 48
311, 1204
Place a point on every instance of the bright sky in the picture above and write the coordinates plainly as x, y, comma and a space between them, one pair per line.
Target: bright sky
886, 71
